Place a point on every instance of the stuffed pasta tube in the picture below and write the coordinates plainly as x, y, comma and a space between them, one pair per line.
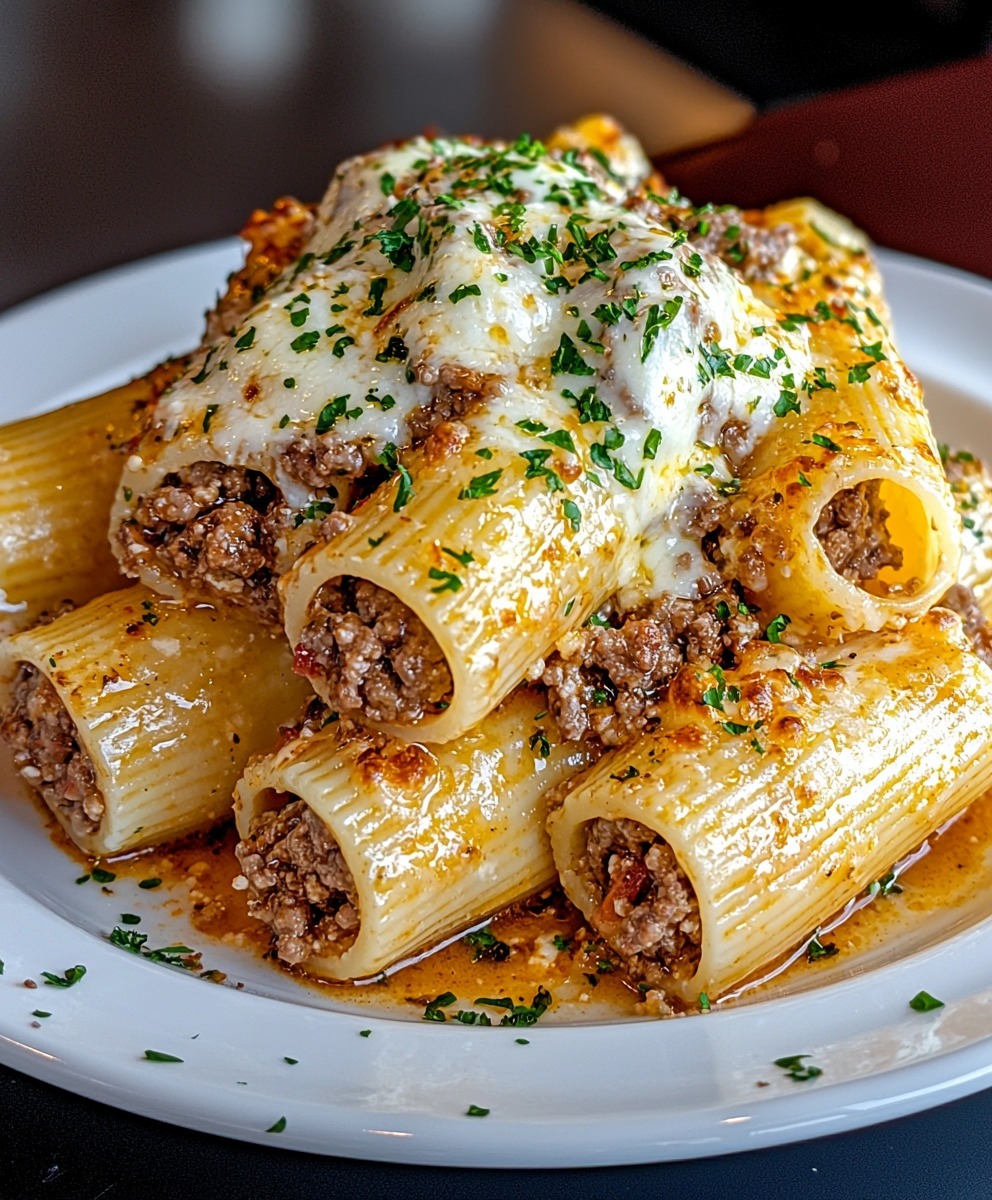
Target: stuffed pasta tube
771, 796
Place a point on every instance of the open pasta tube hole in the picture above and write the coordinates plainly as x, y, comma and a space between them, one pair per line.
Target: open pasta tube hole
646, 906
215, 528
372, 653
873, 535
48, 753
298, 881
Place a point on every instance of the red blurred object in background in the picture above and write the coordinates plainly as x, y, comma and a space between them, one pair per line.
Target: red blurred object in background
908, 159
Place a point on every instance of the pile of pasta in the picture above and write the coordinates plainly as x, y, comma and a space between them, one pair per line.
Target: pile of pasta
517, 522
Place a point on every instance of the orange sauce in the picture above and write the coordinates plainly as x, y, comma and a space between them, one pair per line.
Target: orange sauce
197, 874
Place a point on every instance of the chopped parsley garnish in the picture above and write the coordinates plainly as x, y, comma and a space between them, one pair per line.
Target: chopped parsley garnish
486, 946
588, 405
434, 1010
40, 1013
630, 773
924, 1002
384, 402
567, 360
278, 1127
395, 351
651, 444
208, 416
474, 1110
463, 290
803, 481
341, 345
692, 267
292, 1061
636, 264
376, 290
159, 1056
245, 341
572, 514
69, 977
817, 949
148, 884
404, 489
793, 1066
102, 876
481, 485
560, 438
449, 582
776, 627
365, 1033
887, 885
464, 558
333, 411
561, 943
537, 469
820, 439
704, 1002
659, 317
480, 239
306, 341
396, 245
787, 402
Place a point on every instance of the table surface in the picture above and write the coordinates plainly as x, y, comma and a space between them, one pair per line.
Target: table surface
129, 129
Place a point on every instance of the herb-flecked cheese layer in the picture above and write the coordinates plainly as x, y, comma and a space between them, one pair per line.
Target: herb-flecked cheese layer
607, 341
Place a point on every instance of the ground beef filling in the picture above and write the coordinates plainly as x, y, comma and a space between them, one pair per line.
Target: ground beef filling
375, 655
852, 530
47, 751
605, 683
214, 527
299, 883
962, 600
647, 908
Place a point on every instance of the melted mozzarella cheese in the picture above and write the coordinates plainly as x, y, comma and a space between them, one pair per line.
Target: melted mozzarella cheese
538, 271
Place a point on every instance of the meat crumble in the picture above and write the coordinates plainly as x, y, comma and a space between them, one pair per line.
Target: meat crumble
214, 527
374, 654
299, 883
962, 600
47, 752
605, 683
647, 910
852, 529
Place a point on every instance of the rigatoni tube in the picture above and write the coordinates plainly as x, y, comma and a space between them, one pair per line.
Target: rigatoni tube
844, 520
360, 850
131, 718
771, 796
58, 475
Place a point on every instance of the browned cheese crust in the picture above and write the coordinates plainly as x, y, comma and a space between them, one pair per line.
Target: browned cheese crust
275, 239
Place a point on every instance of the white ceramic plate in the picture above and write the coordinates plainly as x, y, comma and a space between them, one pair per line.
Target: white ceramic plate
586, 1094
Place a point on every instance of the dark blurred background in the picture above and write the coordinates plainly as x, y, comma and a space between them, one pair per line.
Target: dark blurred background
133, 126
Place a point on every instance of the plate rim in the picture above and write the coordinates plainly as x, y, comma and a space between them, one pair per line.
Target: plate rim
444, 1137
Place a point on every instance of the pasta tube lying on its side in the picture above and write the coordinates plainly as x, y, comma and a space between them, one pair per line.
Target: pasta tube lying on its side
844, 520
131, 716
58, 475
359, 850
771, 796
